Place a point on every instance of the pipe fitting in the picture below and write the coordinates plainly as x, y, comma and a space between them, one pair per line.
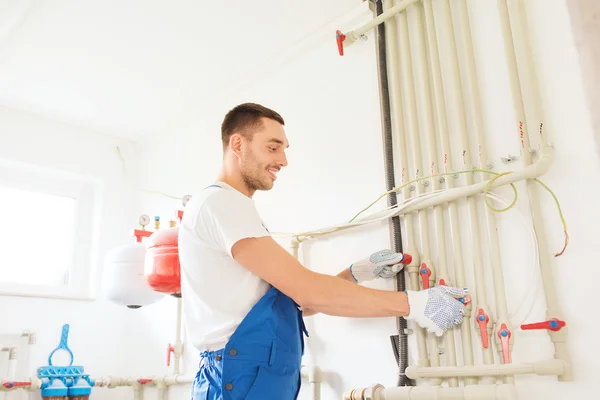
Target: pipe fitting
312, 373
32, 338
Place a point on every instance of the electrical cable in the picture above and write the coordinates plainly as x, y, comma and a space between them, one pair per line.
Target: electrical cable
497, 175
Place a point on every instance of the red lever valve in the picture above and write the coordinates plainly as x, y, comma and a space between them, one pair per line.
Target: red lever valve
10, 385
425, 273
482, 320
552, 324
339, 38
504, 335
143, 381
170, 349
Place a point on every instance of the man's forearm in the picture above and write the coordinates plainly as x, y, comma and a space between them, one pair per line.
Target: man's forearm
345, 275
337, 297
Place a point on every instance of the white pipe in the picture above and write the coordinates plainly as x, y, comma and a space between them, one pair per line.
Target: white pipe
116, 381
424, 105
413, 142
528, 110
502, 319
354, 35
442, 127
178, 348
471, 392
314, 376
401, 161
12, 363
532, 171
138, 392
553, 367
457, 100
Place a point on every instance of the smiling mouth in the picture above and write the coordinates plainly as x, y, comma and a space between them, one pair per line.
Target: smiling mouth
273, 172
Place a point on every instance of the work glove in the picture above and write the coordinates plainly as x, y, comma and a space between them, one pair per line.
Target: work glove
437, 309
382, 264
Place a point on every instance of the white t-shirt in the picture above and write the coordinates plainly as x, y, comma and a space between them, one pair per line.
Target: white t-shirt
217, 292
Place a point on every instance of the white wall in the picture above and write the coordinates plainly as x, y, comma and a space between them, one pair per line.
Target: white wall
105, 338
330, 104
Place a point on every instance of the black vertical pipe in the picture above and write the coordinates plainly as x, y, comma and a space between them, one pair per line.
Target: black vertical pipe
400, 342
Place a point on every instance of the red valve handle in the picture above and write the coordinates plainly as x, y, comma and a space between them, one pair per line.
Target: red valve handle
143, 381
425, 273
10, 385
552, 324
504, 335
139, 233
464, 300
482, 320
169, 350
339, 38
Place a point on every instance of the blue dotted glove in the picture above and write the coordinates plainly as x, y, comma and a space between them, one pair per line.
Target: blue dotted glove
437, 309
382, 264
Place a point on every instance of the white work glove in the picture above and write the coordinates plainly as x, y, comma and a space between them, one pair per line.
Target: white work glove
382, 264
437, 309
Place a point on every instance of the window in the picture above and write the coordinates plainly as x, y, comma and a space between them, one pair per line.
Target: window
47, 222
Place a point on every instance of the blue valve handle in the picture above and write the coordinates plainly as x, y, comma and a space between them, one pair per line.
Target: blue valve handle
62, 345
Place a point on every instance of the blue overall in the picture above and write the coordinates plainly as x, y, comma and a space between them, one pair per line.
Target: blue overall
261, 360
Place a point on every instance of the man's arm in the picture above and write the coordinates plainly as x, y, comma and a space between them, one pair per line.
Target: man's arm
314, 291
345, 275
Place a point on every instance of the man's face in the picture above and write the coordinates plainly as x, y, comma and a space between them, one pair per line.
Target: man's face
264, 155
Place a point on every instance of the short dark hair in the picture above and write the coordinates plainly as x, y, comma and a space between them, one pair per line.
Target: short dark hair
245, 118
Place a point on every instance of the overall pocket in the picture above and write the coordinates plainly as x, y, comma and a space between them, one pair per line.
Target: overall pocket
276, 385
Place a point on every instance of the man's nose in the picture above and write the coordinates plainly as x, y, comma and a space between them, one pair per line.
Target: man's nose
283, 161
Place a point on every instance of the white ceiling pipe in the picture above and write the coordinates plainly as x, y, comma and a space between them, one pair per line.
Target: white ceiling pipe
528, 110
401, 170
353, 35
444, 140
473, 103
552, 367
472, 392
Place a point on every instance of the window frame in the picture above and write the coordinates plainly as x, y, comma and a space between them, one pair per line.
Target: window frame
86, 193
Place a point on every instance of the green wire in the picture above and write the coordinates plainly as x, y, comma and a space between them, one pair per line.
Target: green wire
497, 175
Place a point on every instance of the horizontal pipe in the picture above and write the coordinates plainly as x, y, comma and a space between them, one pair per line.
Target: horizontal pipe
479, 392
354, 35
552, 367
533, 171
530, 172
114, 381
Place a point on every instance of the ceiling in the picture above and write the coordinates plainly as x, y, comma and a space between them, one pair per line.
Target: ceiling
133, 68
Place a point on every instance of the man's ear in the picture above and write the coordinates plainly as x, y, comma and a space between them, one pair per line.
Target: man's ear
235, 144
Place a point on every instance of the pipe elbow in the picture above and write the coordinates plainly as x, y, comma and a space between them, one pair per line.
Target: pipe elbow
312, 373
543, 164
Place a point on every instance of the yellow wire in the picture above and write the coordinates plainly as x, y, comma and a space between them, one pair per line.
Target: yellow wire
428, 177
486, 190
562, 217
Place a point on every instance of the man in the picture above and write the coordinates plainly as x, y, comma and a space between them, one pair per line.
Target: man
245, 296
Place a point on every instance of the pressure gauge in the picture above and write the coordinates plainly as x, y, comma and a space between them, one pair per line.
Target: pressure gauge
144, 220
185, 199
